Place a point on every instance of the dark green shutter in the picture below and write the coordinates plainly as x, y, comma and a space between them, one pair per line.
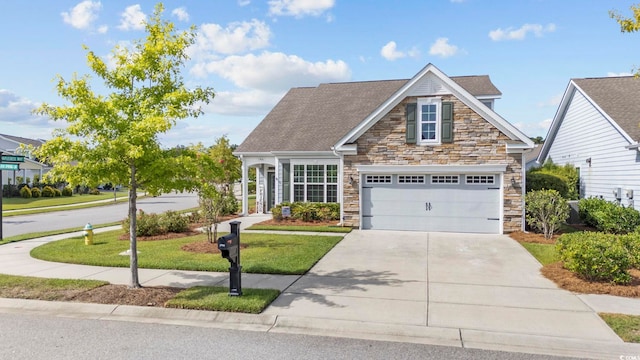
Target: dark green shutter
412, 127
286, 191
447, 122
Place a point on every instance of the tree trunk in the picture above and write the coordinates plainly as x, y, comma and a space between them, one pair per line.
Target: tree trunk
133, 246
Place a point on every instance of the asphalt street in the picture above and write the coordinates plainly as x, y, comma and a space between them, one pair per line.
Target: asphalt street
23, 224
49, 337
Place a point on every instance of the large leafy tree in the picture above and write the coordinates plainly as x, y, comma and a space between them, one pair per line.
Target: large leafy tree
114, 137
629, 24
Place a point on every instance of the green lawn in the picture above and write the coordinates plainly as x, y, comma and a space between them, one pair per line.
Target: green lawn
265, 253
544, 253
25, 287
217, 299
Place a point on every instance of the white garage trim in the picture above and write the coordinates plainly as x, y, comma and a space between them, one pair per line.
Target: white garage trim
431, 169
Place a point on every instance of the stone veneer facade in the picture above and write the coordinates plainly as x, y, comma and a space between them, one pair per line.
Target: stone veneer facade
475, 142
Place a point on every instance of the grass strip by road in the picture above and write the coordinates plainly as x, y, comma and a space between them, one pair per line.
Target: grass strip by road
217, 298
264, 253
626, 326
18, 203
198, 298
25, 287
329, 229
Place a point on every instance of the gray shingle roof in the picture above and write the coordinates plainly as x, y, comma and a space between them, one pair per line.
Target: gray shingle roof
619, 97
315, 118
22, 140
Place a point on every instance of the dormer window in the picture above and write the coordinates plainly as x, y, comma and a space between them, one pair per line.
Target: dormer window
429, 115
429, 121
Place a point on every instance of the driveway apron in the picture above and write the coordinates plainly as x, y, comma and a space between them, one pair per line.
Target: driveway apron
466, 282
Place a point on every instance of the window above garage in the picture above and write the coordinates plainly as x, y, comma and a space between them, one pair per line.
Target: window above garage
429, 121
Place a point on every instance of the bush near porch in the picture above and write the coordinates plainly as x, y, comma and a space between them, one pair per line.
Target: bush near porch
308, 211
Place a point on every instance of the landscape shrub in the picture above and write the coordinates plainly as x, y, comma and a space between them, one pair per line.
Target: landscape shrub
172, 221
309, 211
595, 256
230, 205
146, 224
568, 173
545, 211
608, 216
94, 192
631, 242
25, 192
57, 193
67, 191
35, 192
47, 191
541, 181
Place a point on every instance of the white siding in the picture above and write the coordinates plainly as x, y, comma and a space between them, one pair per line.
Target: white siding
586, 133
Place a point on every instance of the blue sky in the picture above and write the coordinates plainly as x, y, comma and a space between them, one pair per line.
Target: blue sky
251, 52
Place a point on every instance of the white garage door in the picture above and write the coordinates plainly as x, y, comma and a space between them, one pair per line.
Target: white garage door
448, 203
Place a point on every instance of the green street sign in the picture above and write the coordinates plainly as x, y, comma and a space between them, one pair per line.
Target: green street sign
9, 167
13, 158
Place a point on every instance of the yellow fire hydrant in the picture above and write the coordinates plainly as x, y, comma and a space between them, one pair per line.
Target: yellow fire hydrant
88, 234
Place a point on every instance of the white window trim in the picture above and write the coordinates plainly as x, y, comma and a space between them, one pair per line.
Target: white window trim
429, 101
305, 183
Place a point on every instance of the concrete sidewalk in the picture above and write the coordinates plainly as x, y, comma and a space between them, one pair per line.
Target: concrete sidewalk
476, 291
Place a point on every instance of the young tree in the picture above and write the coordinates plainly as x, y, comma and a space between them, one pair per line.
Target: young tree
218, 169
114, 137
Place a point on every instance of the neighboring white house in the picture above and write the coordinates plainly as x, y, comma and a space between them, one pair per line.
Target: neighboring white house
597, 129
10, 145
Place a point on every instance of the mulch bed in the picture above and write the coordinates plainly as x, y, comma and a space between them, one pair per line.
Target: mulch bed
569, 280
294, 222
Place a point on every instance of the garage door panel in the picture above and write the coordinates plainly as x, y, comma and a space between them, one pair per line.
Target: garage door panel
432, 207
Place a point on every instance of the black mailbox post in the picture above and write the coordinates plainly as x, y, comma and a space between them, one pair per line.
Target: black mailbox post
229, 246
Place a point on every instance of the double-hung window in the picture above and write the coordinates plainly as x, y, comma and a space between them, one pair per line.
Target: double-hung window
315, 183
429, 120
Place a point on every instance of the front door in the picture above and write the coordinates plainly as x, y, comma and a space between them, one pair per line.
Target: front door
271, 190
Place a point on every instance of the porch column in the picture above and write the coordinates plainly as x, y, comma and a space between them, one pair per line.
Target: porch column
245, 188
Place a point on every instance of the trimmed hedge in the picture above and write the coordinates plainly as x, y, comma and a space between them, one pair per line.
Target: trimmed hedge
597, 256
150, 224
25, 192
309, 211
542, 181
607, 216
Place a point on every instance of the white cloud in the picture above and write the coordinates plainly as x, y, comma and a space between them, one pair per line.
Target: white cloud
275, 72
82, 15
299, 8
103, 29
17, 110
519, 34
132, 18
181, 13
244, 2
236, 38
390, 52
443, 49
243, 103
553, 101
533, 129
615, 74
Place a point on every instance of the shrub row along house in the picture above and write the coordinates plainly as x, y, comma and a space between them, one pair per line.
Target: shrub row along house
597, 129
427, 153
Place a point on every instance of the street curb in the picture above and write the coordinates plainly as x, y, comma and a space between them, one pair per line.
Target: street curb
452, 337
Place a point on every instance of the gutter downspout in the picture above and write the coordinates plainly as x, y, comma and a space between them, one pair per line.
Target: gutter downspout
340, 184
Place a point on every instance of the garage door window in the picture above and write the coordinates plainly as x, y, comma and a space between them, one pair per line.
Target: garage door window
378, 179
480, 179
445, 179
315, 183
410, 179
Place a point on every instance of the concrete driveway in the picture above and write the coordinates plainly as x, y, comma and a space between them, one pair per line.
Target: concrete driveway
453, 289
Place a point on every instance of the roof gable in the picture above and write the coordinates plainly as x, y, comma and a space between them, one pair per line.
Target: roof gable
616, 98
431, 81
